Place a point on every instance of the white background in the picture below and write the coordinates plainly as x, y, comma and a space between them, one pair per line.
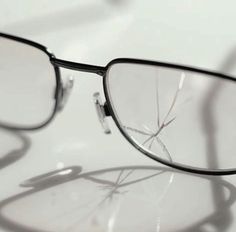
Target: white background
148, 196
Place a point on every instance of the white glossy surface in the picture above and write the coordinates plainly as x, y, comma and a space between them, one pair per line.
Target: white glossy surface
111, 186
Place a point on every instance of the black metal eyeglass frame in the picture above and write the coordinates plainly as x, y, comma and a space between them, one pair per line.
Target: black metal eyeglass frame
108, 110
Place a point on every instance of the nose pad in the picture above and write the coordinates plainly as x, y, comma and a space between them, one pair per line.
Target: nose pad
65, 92
101, 112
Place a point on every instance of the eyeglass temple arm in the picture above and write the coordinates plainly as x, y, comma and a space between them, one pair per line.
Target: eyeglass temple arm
99, 70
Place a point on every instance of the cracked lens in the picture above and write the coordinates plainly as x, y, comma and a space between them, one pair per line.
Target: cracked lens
175, 115
145, 100
150, 136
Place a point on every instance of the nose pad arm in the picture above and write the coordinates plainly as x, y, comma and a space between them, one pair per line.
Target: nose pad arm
101, 113
65, 92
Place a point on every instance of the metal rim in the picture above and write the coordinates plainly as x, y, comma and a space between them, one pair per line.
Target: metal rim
178, 166
57, 76
102, 71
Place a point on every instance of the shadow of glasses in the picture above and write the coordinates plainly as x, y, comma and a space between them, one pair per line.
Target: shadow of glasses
114, 188
9, 140
209, 125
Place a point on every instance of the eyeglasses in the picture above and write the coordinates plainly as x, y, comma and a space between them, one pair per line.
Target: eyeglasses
180, 116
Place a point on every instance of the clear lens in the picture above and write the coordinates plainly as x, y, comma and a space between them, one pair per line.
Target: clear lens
184, 117
27, 85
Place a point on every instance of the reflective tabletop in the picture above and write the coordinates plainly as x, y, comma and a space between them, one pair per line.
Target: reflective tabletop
71, 176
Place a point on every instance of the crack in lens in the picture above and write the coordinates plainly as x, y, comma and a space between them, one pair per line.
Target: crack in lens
154, 136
